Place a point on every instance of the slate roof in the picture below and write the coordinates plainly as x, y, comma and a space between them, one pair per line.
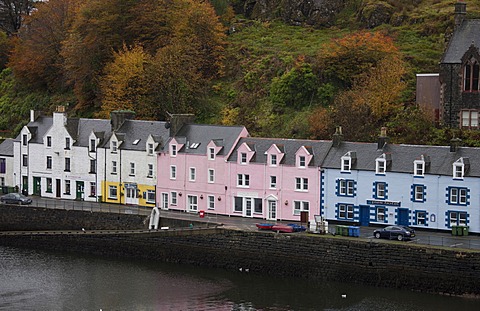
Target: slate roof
38, 128
202, 134
6, 147
318, 148
132, 130
463, 37
403, 157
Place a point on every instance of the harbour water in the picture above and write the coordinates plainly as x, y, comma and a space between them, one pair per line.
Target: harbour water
38, 280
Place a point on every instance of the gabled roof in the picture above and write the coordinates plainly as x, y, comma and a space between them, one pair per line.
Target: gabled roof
403, 157
6, 147
318, 149
38, 129
140, 130
463, 37
203, 134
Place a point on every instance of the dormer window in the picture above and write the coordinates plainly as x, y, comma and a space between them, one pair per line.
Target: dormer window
49, 141
273, 160
93, 145
381, 164
301, 161
243, 158
211, 153
173, 150
419, 168
150, 148
346, 164
458, 169
114, 146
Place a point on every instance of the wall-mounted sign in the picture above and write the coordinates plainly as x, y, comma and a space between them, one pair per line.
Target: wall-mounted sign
380, 202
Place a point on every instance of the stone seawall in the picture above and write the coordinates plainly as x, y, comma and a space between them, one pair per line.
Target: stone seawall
379, 263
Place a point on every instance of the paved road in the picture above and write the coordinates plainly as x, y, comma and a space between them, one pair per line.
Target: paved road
423, 236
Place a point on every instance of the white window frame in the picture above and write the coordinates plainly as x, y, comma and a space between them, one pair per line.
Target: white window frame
132, 168
458, 196
49, 162
273, 160
300, 206
93, 188
273, 182
164, 200
150, 196
192, 176
421, 217
346, 164
150, 170
173, 172
419, 168
345, 211
114, 167
112, 192
418, 192
243, 158
211, 176
211, 153
301, 184
68, 186
346, 187
173, 150
49, 141
211, 202
380, 213
173, 198
380, 166
93, 145
458, 170
67, 143
302, 161
150, 148
192, 203
114, 146
380, 190
243, 180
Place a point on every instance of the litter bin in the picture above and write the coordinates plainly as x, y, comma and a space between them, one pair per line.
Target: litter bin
454, 230
464, 229
338, 230
354, 231
345, 231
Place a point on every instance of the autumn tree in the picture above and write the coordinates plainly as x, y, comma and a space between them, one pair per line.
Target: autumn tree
347, 59
124, 84
36, 59
12, 14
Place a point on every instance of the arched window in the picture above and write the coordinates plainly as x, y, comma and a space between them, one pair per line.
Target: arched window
471, 76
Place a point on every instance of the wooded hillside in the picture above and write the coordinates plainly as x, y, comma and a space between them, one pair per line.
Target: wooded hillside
281, 68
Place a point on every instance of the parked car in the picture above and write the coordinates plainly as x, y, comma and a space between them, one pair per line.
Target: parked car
395, 232
15, 198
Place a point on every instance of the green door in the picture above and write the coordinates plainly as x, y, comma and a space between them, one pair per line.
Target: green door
80, 190
37, 189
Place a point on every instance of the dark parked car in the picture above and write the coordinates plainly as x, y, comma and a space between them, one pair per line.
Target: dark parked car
395, 232
15, 198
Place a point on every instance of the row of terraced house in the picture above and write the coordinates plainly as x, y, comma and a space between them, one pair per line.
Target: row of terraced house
183, 166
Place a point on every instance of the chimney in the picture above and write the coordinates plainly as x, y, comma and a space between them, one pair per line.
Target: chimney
337, 137
382, 139
179, 120
34, 115
460, 12
454, 144
118, 117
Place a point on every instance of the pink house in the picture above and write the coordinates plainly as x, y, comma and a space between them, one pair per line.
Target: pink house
192, 168
276, 179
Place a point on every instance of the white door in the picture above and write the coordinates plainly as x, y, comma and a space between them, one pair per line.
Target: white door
164, 201
131, 195
247, 212
272, 210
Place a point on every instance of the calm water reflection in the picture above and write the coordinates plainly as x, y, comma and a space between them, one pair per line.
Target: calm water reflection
35, 280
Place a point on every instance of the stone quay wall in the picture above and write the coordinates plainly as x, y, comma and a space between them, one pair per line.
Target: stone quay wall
322, 257
375, 262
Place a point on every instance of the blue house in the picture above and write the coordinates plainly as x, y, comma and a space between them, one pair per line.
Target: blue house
433, 187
